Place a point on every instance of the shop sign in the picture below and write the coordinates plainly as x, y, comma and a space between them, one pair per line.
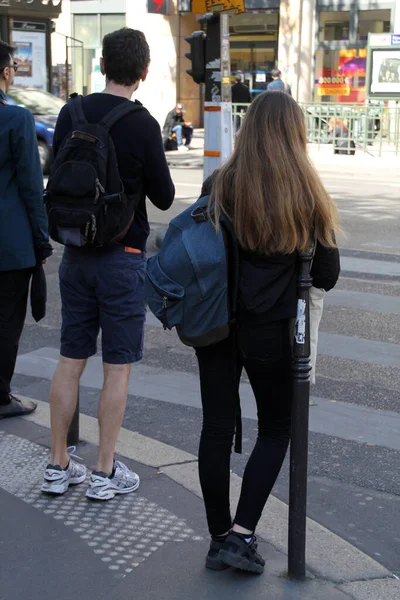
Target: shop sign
159, 7
396, 39
334, 89
334, 85
335, 79
204, 6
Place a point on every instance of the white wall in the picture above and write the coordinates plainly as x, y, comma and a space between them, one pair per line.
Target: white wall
158, 92
63, 26
397, 17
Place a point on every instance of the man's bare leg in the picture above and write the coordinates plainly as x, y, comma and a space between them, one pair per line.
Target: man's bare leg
111, 412
63, 398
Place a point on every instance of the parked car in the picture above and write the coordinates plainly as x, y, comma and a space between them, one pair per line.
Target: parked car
45, 108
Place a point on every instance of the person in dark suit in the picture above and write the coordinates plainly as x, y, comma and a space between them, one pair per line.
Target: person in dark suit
240, 95
24, 240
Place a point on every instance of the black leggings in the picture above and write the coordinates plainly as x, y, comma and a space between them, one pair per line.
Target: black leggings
264, 351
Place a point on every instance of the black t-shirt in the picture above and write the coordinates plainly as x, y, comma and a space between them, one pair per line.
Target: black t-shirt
137, 138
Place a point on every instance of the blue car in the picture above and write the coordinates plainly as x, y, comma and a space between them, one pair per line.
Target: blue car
45, 108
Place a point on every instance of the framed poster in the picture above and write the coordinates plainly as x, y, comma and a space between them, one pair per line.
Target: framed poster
29, 40
383, 67
385, 72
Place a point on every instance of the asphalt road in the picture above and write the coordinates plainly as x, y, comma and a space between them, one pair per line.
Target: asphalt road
354, 482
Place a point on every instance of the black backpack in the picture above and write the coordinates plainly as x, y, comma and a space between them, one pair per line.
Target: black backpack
85, 197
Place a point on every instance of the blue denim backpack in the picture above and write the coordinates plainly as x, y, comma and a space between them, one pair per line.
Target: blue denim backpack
191, 283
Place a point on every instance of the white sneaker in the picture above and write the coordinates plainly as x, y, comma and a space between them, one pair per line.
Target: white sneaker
183, 148
123, 481
57, 480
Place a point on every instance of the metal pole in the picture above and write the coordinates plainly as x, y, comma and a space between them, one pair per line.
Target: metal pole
66, 70
217, 106
73, 432
226, 91
299, 439
212, 100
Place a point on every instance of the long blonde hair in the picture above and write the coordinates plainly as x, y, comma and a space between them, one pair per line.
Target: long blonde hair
269, 188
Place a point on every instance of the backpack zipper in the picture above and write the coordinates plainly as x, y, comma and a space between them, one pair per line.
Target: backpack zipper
164, 307
99, 190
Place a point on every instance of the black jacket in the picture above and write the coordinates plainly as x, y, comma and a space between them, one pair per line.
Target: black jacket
241, 94
267, 284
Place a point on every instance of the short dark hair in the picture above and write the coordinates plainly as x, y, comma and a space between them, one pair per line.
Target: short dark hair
276, 73
126, 55
5, 52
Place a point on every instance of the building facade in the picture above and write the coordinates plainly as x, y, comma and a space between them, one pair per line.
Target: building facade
319, 45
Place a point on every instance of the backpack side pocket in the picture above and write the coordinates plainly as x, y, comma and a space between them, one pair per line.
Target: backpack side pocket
163, 295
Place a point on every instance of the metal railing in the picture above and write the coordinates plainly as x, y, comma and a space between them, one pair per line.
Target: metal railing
372, 128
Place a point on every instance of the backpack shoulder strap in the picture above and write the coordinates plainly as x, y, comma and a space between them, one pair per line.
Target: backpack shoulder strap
75, 107
118, 113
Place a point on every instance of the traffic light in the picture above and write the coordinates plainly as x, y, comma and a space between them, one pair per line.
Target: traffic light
197, 55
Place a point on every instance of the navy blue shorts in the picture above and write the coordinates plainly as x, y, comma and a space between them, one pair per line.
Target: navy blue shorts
103, 288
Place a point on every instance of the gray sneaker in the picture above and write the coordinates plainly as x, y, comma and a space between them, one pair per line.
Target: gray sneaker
122, 481
56, 480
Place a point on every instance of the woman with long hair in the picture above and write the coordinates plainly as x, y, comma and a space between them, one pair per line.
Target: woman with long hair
277, 206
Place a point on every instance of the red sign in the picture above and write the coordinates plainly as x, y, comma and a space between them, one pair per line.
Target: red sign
159, 7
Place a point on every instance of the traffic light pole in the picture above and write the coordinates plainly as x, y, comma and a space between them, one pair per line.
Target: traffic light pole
218, 141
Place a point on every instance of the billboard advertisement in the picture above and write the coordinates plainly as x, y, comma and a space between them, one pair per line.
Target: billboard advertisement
30, 54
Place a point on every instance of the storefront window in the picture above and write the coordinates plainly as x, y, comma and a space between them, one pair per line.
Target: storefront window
372, 21
253, 47
334, 26
110, 23
340, 75
86, 29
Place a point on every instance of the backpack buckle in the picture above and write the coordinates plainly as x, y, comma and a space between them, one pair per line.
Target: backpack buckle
200, 214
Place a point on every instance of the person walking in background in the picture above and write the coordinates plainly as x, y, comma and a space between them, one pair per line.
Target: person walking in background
277, 84
277, 207
24, 239
175, 123
240, 95
103, 287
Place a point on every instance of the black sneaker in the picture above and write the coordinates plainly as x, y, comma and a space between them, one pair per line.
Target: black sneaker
240, 554
213, 560
16, 407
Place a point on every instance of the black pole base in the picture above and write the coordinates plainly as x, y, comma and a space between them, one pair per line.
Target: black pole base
73, 433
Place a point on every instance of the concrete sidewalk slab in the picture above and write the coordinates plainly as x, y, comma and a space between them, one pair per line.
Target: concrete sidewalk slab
327, 416
139, 544
152, 543
185, 578
373, 590
327, 554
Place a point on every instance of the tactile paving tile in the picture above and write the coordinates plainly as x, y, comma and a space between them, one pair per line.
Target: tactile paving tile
123, 532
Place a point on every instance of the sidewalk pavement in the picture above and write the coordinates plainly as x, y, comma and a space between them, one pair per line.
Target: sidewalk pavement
150, 544
322, 157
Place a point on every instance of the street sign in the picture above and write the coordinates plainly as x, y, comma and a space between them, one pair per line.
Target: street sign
205, 6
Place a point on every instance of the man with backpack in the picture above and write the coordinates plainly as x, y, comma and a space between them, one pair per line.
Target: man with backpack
24, 241
108, 157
